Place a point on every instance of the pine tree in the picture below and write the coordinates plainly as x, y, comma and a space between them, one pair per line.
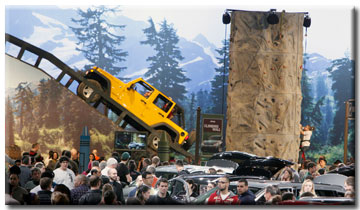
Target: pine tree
41, 103
220, 82
54, 96
203, 101
99, 40
24, 109
164, 72
328, 119
342, 73
192, 112
9, 122
316, 119
307, 104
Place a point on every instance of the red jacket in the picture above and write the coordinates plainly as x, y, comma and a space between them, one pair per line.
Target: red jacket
215, 199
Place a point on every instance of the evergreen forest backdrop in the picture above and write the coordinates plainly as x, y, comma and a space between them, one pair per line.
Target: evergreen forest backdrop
193, 72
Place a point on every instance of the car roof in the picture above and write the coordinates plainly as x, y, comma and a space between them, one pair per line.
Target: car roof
193, 168
250, 164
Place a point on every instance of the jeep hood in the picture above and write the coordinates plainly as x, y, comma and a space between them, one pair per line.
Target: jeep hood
252, 165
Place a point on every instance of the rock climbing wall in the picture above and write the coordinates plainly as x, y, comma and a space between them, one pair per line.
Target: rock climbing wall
264, 92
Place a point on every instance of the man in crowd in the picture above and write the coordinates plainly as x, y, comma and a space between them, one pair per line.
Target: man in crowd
63, 175
110, 163
34, 155
270, 192
71, 164
122, 169
35, 179
312, 172
148, 178
117, 187
93, 196
152, 170
139, 182
162, 197
223, 196
155, 161
246, 196
75, 156
45, 192
25, 174
47, 173
180, 168
80, 189
146, 162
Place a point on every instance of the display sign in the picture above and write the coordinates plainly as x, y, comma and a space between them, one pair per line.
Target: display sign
213, 125
129, 140
212, 133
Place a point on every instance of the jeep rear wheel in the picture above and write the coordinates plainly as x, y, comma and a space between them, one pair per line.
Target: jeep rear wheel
85, 91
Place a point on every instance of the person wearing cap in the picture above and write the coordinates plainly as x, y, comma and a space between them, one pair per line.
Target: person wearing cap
122, 169
110, 163
63, 175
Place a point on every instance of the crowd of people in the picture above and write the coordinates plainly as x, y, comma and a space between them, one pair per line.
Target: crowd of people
57, 180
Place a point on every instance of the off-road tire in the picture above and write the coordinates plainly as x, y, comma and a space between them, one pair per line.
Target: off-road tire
85, 92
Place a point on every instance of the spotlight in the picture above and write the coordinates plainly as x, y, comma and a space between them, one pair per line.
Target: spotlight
272, 17
307, 21
226, 18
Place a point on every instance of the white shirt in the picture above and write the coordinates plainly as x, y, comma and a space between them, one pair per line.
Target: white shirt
306, 138
66, 177
223, 197
105, 171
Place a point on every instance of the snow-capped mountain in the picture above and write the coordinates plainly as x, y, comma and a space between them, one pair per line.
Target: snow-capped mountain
49, 29
316, 66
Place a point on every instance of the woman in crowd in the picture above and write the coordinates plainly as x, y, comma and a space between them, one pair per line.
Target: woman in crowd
91, 159
307, 186
192, 189
142, 195
132, 169
210, 186
287, 175
108, 195
53, 158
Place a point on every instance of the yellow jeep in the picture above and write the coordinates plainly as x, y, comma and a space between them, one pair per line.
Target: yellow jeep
139, 98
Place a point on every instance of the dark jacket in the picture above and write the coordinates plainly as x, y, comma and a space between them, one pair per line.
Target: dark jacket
92, 197
247, 198
118, 191
156, 200
45, 197
77, 192
183, 172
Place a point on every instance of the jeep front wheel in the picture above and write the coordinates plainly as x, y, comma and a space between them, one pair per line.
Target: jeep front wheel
85, 91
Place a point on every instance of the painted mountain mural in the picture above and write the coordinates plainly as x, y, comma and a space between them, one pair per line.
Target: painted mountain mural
327, 84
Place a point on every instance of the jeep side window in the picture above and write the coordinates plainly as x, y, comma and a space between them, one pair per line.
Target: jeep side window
143, 89
163, 103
